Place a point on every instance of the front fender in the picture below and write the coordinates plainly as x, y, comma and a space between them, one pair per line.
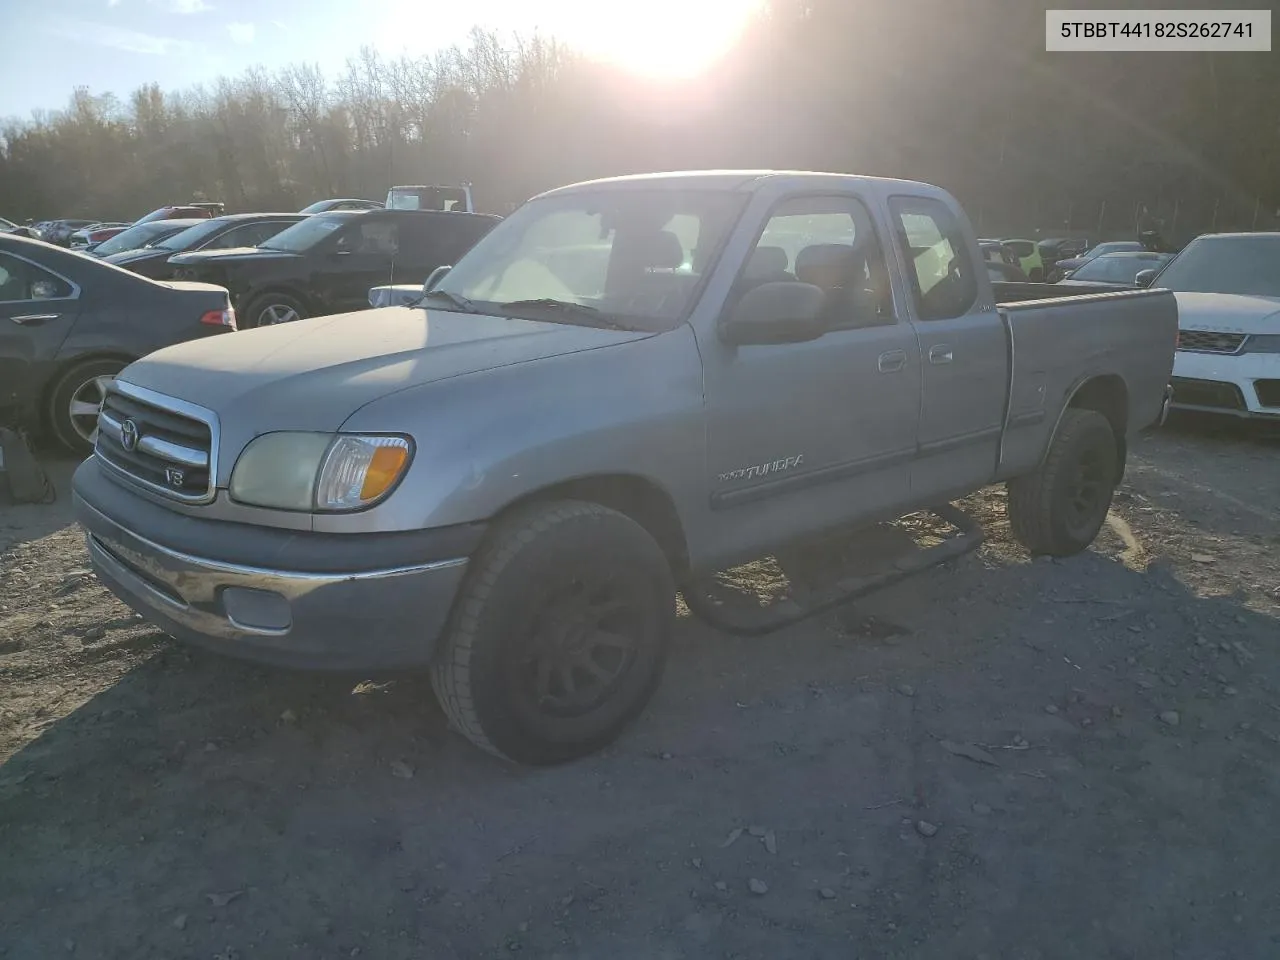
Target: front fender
487, 439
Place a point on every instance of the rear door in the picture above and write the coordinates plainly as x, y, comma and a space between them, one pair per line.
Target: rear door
962, 349
38, 308
358, 257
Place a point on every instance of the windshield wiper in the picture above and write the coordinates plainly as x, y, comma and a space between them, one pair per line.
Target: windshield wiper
566, 309
460, 302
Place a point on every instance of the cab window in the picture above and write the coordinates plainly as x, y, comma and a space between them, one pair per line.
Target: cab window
940, 271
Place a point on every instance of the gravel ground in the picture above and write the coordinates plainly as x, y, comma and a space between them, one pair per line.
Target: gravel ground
999, 759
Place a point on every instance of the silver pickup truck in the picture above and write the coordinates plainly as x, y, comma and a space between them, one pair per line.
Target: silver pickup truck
627, 385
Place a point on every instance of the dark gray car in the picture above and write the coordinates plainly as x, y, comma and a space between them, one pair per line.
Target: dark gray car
70, 323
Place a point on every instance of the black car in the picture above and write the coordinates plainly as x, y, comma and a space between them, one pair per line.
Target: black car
328, 262
220, 233
69, 323
140, 236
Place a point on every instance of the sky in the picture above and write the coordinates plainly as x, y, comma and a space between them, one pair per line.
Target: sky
116, 46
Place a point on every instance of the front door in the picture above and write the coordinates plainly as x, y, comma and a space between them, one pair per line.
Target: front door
359, 258
37, 311
963, 351
805, 436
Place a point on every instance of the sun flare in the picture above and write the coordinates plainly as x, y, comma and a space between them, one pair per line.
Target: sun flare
666, 39
658, 38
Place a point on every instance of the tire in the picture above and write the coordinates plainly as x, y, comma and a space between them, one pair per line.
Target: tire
1059, 509
520, 626
268, 309
84, 384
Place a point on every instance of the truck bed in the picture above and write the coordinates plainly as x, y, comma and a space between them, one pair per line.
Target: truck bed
1125, 337
1014, 291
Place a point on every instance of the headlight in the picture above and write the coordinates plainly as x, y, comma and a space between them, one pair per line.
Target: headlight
318, 471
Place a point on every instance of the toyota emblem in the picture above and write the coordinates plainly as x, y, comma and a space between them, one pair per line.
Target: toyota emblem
129, 435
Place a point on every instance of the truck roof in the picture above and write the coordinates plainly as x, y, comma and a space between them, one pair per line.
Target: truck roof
749, 181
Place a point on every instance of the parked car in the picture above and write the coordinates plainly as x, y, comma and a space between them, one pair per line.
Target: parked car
1054, 249
996, 251
92, 235
324, 206
59, 231
1029, 259
221, 233
327, 263
1116, 269
509, 481
999, 271
186, 211
1228, 290
394, 294
69, 323
1066, 266
423, 197
140, 236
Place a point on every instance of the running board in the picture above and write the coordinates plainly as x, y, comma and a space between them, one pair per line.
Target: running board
749, 622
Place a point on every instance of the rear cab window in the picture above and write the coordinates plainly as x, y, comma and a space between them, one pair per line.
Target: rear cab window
940, 272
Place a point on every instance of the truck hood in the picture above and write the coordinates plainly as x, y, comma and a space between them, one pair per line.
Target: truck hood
231, 254
1228, 313
313, 374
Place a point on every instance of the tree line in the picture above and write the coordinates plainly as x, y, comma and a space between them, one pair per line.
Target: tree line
959, 94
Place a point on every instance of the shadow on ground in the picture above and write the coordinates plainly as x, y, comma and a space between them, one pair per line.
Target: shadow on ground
200, 807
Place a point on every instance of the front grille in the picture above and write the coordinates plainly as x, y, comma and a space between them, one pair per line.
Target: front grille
159, 442
1209, 341
1268, 392
1207, 393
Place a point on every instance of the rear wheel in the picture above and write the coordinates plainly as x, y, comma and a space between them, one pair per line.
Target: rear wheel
560, 634
75, 400
269, 309
1060, 508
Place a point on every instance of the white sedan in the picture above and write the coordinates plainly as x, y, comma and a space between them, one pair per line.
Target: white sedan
1228, 357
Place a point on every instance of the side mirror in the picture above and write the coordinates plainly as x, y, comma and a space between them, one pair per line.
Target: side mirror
1143, 278
778, 312
436, 276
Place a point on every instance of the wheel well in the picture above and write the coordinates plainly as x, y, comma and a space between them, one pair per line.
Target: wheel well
1108, 396
642, 500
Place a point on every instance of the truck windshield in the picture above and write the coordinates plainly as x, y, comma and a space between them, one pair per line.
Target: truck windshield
1246, 264
635, 256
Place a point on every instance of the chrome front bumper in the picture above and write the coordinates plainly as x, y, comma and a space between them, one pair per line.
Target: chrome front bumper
348, 620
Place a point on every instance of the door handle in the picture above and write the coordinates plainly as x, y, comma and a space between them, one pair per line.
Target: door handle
34, 318
940, 353
892, 361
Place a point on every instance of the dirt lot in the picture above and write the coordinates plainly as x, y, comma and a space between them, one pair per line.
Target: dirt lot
1114, 795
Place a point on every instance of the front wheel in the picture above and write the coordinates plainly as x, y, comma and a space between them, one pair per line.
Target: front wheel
269, 309
560, 634
1059, 509
75, 400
